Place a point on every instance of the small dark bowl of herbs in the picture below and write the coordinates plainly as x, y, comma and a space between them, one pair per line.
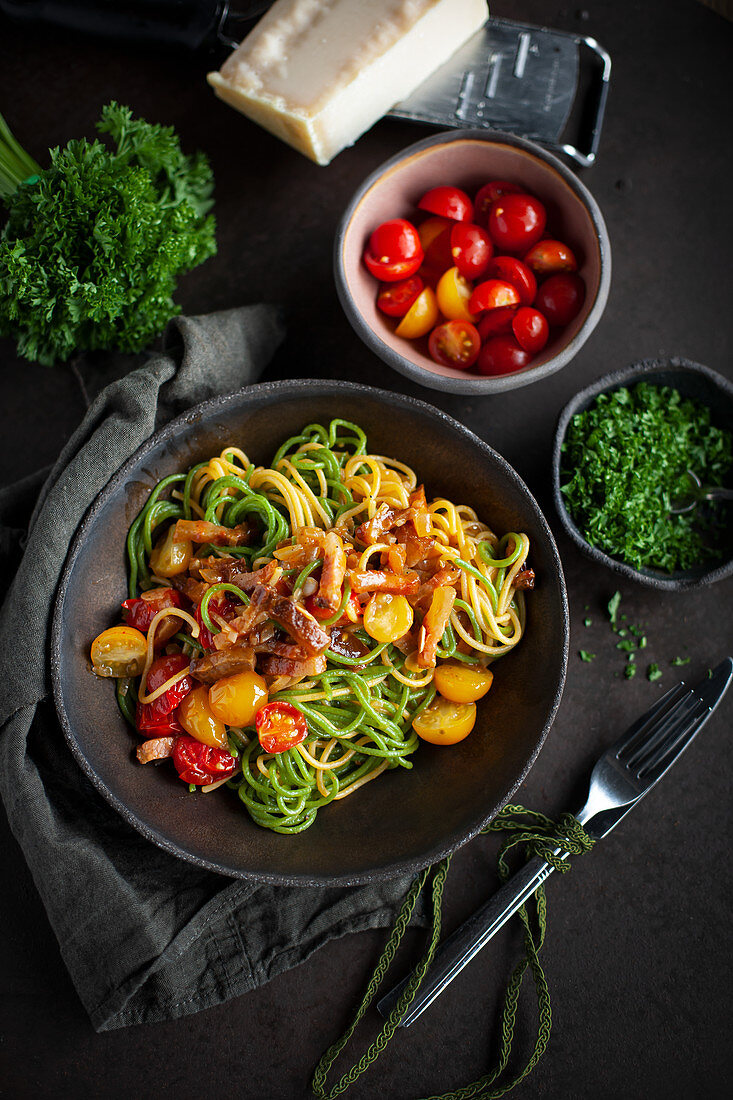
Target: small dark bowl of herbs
626, 449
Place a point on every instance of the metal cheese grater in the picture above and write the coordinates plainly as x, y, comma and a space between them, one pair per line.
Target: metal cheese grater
538, 83
530, 81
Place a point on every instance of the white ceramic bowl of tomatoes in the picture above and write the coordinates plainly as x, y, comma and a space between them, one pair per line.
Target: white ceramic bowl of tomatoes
473, 262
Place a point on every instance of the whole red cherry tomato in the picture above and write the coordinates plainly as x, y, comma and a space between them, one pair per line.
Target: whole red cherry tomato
140, 612
487, 196
493, 294
496, 322
501, 355
455, 344
448, 202
531, 329
201, 764
550, 258
159, 716
280, 726
395, 299
471, 249
561, 298
513, 271
516, 222
394, 251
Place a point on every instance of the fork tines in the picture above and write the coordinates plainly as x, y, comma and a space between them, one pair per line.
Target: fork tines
643, 754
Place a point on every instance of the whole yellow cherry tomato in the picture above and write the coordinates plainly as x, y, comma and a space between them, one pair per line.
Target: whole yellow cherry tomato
198, 720
236, 699
170, 558
420, 317
119, 651
387, 617
453, 293
462, 683
445, 722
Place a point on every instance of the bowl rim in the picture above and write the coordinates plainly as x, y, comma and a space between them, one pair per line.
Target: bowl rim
187, 421
636, 372
463, 383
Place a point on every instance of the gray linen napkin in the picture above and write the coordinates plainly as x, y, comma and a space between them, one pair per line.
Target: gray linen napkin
145, 936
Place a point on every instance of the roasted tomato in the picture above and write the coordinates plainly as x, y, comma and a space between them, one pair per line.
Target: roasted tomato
159, 717
220, 605
169, 558
488, 195
561, 298
119, 651
387, 617
550, 258
516, 222
462, 683
471, 249
501, 355
394, 251
139, 613
280, 726
531, 329
351, 613
199, 721
201, 764
448, 202
455, 344
395, 299
445, 722
236, 699
493, 294
511, 270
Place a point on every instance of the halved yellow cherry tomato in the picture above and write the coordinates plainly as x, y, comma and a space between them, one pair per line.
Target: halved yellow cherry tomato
462, 683
387, 617
198, 720
170, 558
454, 293
420, 317
431, 228
445, 722
236, 699
119, 651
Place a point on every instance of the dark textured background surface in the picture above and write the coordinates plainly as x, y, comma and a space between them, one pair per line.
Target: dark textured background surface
636, 952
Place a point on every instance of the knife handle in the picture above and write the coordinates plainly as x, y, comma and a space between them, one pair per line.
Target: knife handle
468, 939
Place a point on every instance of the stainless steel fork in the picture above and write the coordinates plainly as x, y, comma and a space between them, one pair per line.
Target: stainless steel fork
622, 776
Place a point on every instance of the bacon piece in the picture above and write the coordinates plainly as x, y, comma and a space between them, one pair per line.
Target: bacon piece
384, 519
332, 573
447, 575
223, 662
418, 511
158, 748
525, 578
296, 670
236, 572
191, 589
346, 645
378, 580
292, 618
274, 648
396, 557
417, 549
434, 624
198, 530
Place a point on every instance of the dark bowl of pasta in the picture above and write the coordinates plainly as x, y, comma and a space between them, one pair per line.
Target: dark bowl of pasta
296, 598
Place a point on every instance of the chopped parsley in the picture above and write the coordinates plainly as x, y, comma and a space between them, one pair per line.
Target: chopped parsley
677, 662
587, 622
624, 463
653, 673
630, 672
585, 655
613, 608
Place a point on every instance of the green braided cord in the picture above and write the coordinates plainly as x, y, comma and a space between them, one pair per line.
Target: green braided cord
540, 837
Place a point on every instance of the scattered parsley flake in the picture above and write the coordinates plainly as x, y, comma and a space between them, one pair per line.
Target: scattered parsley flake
653, 673
587, 622
677, 662
585, 655
642, 642
628, 645
630, 672
613, 607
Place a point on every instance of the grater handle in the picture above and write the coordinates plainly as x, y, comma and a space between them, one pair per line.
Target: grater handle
596, 106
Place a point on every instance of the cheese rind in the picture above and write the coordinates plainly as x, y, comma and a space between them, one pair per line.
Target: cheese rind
318, 73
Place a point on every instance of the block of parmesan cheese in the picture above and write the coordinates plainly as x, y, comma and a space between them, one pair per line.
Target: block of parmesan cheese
318, 73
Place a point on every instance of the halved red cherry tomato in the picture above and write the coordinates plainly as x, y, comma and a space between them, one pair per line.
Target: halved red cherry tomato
159, 716
438, 256
201, 764
395, 299
513, 271
351, 613
224, 607
394, 251
496, 322
455, 344
139, 613
516, 222
531, 329
280, 726
448, 202
471, 249
550, 257
493, 294
431, 228
487, 196
561, 298
501, 355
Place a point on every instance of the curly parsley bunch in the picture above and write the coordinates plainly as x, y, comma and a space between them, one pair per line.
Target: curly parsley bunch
94, 244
